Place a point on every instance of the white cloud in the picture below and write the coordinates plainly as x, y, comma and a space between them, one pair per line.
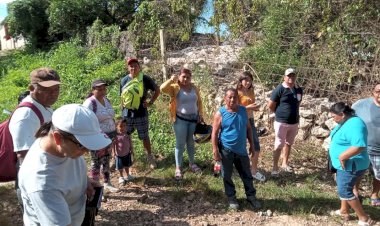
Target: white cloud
5, 1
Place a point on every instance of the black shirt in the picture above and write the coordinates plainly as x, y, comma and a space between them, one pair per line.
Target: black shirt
287, 103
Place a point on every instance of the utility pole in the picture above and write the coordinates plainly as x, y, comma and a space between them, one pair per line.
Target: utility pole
163, 55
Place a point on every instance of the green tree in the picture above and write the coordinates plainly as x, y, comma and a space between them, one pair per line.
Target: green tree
71, 17
29, 18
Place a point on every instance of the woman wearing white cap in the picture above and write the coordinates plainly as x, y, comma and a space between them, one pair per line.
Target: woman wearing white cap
53, 177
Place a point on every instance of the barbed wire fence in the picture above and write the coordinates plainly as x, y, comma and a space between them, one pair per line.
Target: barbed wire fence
354, 79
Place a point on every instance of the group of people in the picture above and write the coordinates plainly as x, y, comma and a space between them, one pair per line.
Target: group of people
53, 184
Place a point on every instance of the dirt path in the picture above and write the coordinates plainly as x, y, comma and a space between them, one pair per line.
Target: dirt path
150, 204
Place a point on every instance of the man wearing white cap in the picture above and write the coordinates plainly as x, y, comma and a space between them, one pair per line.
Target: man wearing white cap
284, 103
44, 91
53, 177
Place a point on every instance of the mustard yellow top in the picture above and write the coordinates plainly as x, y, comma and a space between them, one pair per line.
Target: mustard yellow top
247, 99
172, 88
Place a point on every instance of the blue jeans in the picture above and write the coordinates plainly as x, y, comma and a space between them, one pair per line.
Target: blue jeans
255, 139
242, 165
184, 131
345, 181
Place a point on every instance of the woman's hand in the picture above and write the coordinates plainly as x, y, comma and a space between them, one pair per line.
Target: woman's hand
342, 161
174, 78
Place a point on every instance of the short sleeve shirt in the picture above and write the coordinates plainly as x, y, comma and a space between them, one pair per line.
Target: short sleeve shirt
52, 188
287, 103
105, 114
148, 84
123, 145
353, 133
370, 114
25, 123
247, 99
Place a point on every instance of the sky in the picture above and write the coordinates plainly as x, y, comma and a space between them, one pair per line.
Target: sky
3, 9
207, 12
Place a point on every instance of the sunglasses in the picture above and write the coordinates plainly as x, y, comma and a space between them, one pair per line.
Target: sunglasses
79, 145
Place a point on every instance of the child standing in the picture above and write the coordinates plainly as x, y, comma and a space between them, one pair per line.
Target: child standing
123, 151
247, 98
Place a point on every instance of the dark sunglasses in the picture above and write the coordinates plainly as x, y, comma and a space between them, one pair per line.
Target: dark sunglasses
79, 145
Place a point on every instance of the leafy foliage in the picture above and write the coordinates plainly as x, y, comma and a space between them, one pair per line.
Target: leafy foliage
177, 17
29, 19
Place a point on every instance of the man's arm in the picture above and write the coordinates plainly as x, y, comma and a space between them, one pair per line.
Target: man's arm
214, 135
272, 106
155, 96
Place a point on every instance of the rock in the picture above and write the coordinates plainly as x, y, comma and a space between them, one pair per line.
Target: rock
269, 213
326, 143
330, 124
307, 113
321, 119
237, 219
207, 204
305, 123
319, 132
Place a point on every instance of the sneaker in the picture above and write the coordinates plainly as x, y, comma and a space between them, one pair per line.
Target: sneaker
122, 181
129, 178
259, 176
110, 187
275, 173
233, 204
254, 203
152, 162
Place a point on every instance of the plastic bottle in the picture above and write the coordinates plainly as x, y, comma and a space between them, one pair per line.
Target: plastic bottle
217, 168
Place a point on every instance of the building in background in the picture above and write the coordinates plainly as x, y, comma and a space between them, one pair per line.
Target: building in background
9, 42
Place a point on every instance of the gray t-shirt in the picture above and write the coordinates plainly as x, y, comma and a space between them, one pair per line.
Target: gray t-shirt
370, 114
52, 188
187, 102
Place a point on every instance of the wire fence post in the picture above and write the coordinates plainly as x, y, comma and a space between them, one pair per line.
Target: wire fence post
163, 55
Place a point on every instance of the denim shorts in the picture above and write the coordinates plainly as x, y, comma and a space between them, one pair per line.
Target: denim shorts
345, 181
123, 161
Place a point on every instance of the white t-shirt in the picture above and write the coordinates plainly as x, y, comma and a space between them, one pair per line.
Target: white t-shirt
104, 113
25, 123
52, 188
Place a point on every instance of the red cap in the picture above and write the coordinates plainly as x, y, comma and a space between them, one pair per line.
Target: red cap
131, 60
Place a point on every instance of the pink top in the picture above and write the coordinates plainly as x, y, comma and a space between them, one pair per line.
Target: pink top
123, 145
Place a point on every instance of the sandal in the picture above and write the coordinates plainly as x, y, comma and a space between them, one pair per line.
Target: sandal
259, 176
369, 222
346, 216
287, 169
375, 202
178, 174
194, 168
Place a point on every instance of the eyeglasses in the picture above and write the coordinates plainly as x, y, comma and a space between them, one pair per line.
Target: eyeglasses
79, 145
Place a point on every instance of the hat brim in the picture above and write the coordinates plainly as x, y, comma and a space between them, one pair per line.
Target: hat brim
100, 84
49, 83
94, 142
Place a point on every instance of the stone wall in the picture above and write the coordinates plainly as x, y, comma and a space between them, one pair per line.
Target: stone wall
315, 124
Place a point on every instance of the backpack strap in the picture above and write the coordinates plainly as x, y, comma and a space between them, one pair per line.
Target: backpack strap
34, 109
94, 105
